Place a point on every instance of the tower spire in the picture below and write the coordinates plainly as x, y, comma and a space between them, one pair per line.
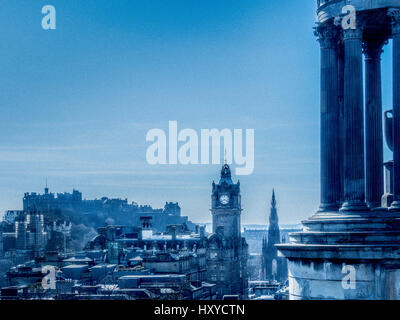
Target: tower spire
225, 156
271, 253
273, 216
273, 201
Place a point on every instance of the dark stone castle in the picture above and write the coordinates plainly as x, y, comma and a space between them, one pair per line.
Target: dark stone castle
227, 251
104, 210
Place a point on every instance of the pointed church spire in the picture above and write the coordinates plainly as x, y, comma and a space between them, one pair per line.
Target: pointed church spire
274, 238
273, 216
273, 201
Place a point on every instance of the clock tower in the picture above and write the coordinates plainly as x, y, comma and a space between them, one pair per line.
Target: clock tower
226, 205
226, 250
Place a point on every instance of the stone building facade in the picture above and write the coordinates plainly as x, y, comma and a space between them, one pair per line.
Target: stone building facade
218, 258
30, 233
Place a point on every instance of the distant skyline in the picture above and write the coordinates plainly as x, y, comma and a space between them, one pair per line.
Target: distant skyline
77, 102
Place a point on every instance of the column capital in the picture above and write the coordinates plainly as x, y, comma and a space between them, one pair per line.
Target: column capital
373, 48
350, 34
394, 15
328, 36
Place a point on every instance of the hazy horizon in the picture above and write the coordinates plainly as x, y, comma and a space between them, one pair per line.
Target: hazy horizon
78, 101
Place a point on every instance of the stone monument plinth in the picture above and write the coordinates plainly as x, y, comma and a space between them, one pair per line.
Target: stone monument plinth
350, 249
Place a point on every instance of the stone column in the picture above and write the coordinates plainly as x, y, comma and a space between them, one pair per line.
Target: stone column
395, 16
341, 118
330, 153
373, 123
354, 177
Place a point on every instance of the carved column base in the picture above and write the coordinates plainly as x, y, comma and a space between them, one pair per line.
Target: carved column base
354, 206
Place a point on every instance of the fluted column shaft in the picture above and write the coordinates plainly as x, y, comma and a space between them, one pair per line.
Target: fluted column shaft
330, 153
373, 123
395, 15
354, 177
341, 118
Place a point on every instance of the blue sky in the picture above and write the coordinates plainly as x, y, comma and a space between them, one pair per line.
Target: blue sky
76, 102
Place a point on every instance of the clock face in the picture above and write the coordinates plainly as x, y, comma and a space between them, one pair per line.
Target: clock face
224, 199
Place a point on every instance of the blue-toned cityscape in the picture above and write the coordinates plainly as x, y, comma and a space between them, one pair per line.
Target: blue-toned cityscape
200, 150
65, 247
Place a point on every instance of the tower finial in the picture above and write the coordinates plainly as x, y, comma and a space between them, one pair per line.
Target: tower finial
46, 189
225, 156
